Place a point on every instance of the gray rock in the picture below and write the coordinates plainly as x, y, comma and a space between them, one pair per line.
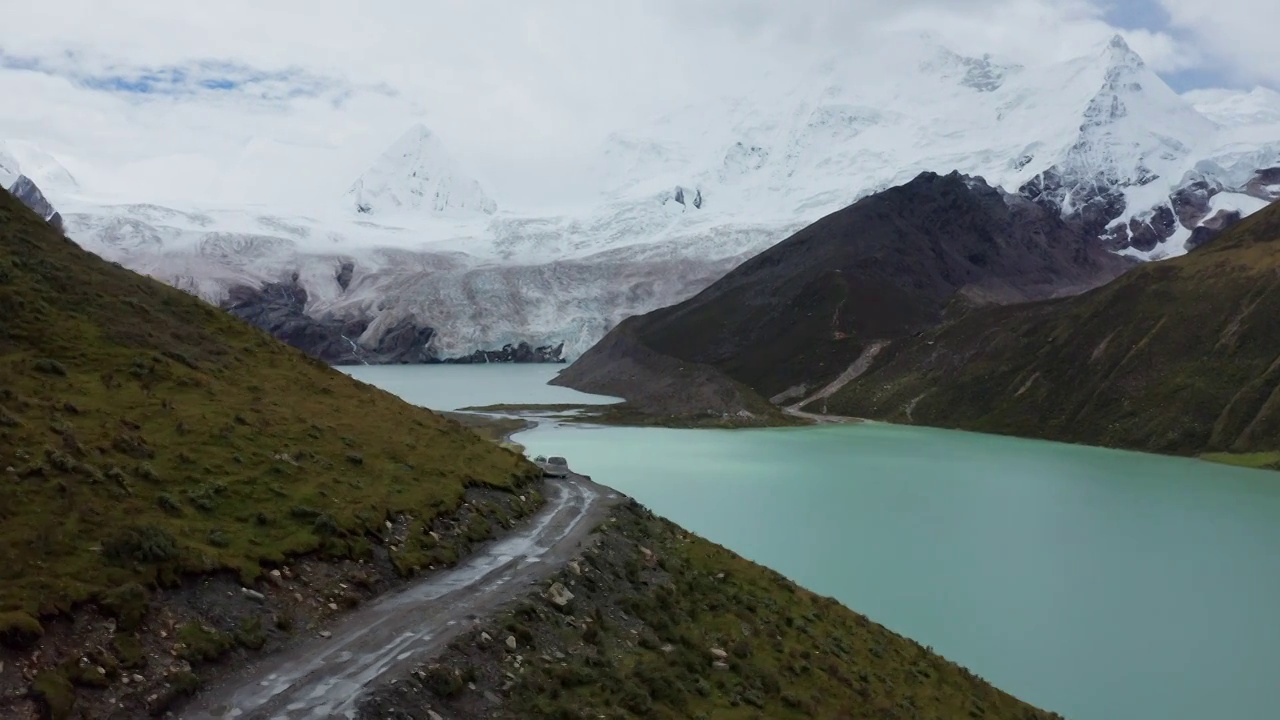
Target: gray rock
345, 271
253, 595
280, 309
25, 190
1264, 184
559, 595
511, 642
1212, 227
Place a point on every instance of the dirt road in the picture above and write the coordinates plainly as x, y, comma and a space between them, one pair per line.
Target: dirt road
324, 678
850, 374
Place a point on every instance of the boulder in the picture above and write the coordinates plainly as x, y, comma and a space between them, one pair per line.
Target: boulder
559, 595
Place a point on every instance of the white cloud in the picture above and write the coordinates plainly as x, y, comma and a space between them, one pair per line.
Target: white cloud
521, 93
1239, 35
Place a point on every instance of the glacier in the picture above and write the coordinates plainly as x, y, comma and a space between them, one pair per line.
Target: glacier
685, 198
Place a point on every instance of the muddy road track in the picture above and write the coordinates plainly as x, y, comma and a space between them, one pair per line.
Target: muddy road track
325, 677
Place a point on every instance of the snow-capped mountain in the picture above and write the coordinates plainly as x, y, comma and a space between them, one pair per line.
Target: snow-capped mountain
24, 188
416, 174
418, 246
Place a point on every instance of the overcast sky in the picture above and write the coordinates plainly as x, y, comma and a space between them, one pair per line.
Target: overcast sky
291, 99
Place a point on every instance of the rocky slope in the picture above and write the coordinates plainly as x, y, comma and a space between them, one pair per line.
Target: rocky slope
795, 316
1176, 357
1099, 139
652, 622
176, 487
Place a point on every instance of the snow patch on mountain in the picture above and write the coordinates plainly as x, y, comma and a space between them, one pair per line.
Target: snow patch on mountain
416, 175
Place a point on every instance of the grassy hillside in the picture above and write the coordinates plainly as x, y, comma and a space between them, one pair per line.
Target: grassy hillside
664, 624
145, 435
1181, 356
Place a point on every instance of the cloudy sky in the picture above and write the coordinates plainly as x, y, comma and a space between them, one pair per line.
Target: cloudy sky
288, 100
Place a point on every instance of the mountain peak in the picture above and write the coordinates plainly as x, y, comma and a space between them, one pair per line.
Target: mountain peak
1118, 52
18, 158
417, 174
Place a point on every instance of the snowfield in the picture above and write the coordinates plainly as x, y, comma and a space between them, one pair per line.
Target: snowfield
681, 201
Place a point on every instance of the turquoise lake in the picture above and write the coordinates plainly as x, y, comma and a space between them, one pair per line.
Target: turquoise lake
1096, 583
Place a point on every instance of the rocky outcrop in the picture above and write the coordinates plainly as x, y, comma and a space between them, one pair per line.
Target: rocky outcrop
345, 271
281, 309
1191, 202
26, 191
1265, 184
1211, 228
520, 352
1146, 233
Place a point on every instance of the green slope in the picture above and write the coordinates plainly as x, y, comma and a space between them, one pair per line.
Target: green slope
664, 624
1181, 356
145, 435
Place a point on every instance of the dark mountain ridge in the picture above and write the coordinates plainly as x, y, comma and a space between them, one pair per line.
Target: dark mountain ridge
1180, 356
798, 314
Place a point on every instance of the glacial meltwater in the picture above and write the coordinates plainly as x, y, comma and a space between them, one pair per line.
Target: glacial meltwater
1095, 583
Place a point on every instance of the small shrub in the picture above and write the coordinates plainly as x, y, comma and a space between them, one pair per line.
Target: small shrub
55, 693
129, 651
202, 643
443, 682
133, 446
219, 539
50, 367
60, 460
325, 525
8, 419
181, 359
302, 512
522, 633
169, 504
184, 682
127, 604
250, 634
19, 630
202, 498
142, 543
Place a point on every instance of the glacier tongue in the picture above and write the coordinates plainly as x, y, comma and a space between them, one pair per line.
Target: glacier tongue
419, 250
